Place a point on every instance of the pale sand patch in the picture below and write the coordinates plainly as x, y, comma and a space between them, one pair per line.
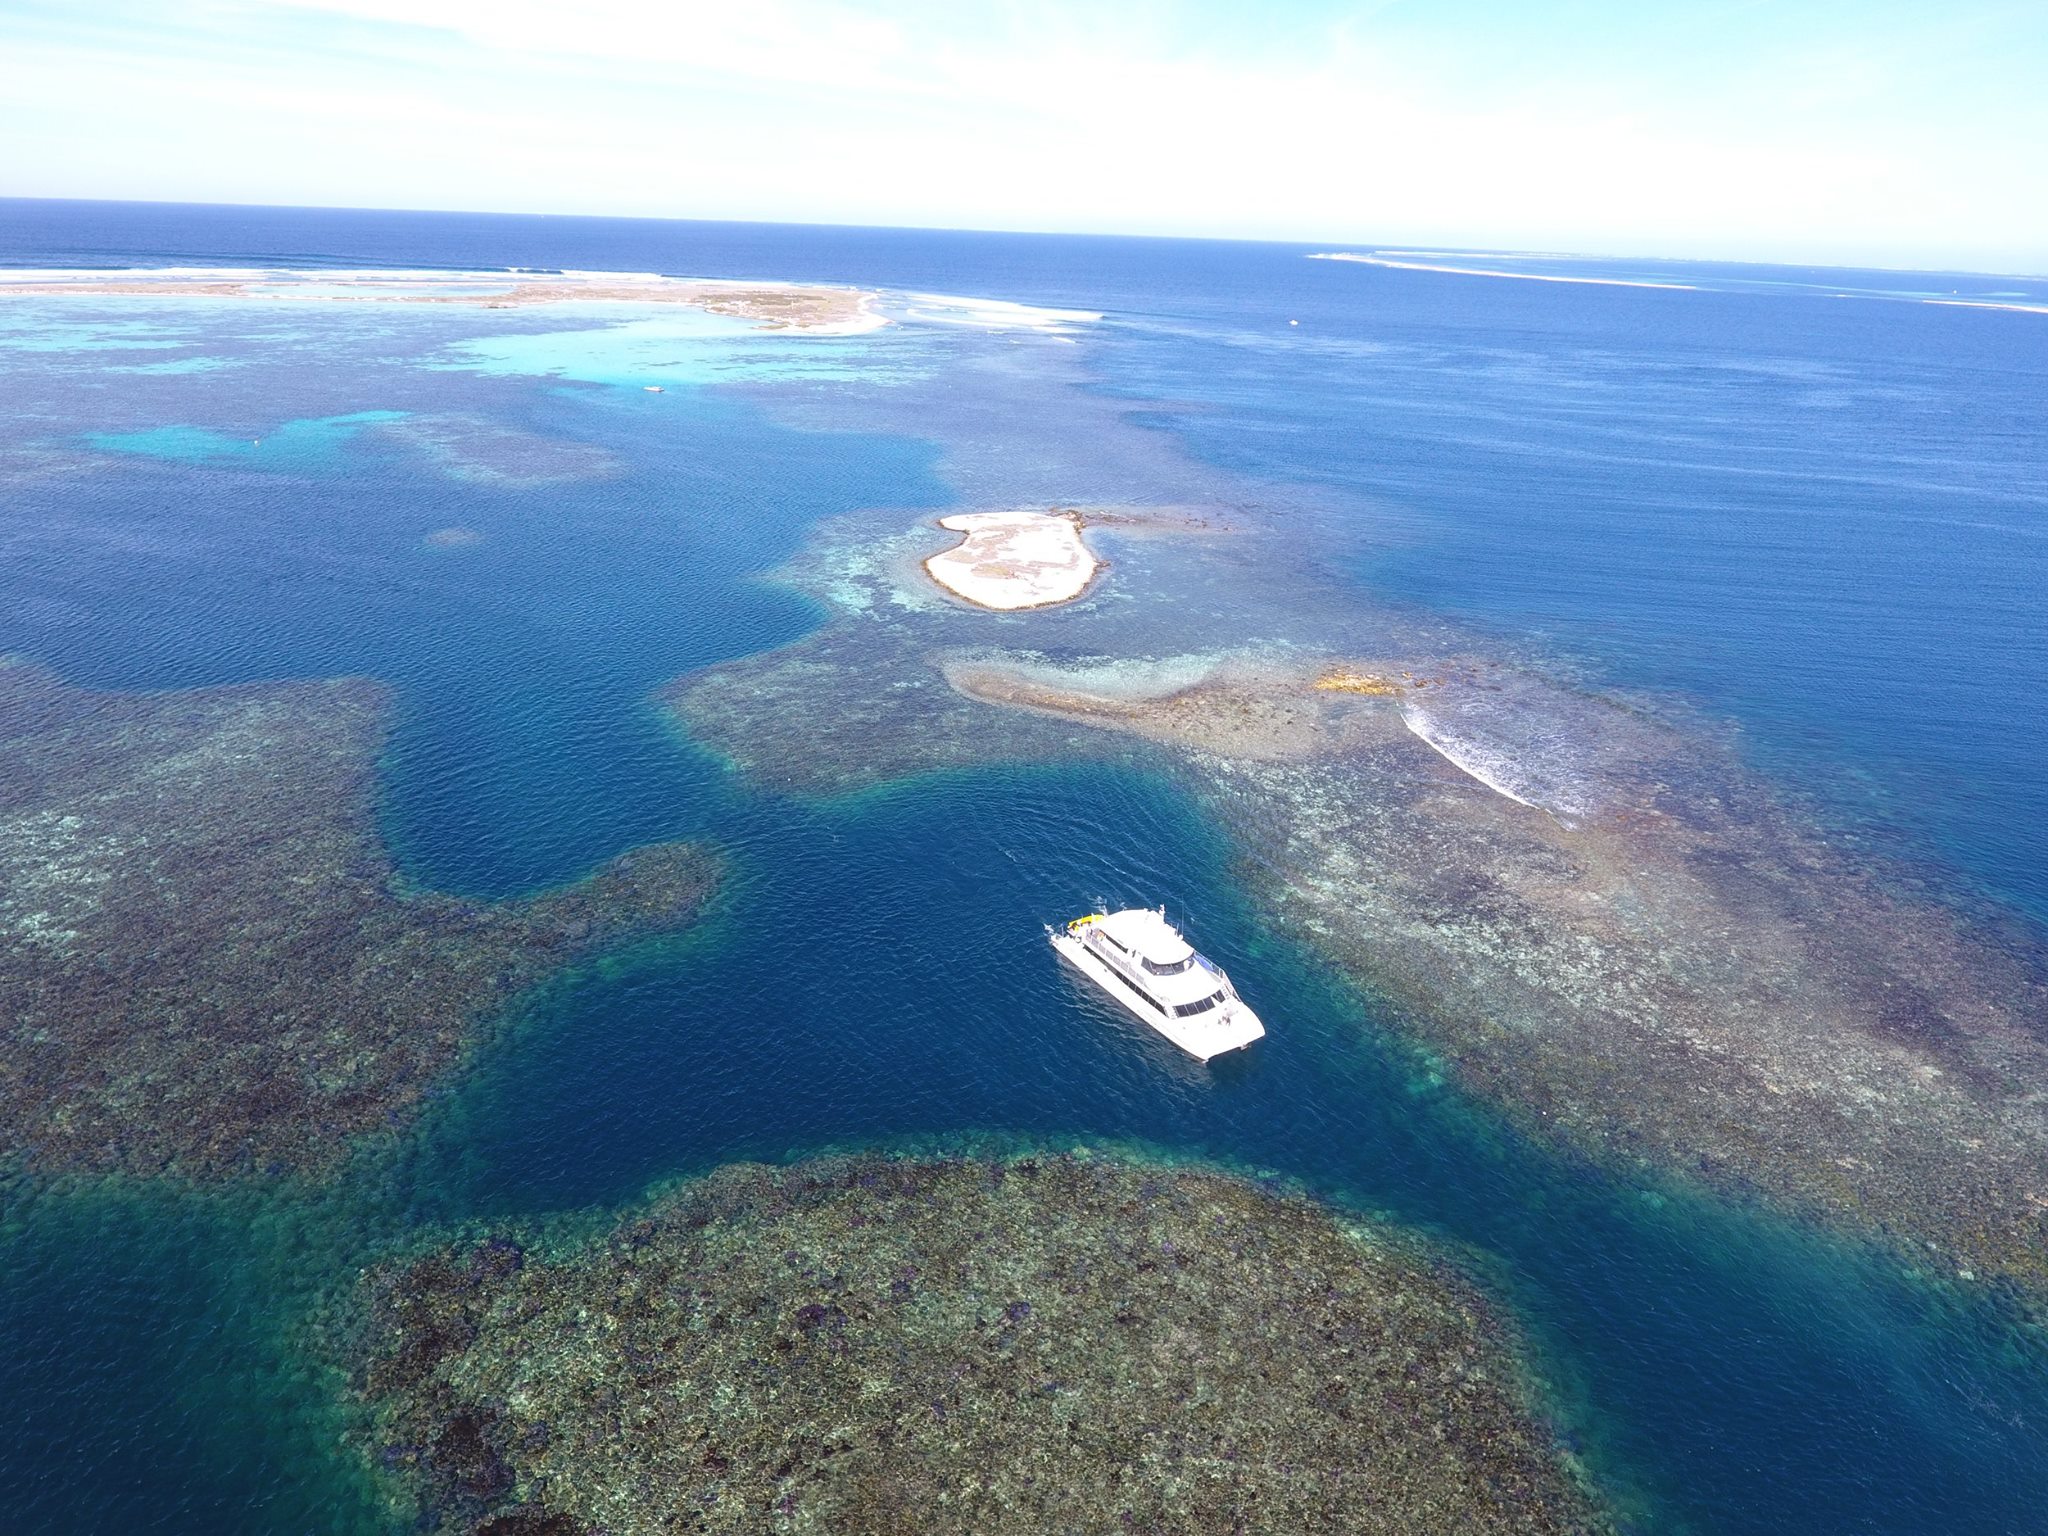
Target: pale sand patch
1014, 560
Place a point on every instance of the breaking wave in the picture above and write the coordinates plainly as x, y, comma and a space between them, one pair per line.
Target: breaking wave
1540, 744
985, 314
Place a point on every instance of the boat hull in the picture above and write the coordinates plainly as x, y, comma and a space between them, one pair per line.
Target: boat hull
1205, 1037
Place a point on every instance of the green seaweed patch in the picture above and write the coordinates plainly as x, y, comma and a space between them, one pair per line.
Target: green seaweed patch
208, 964
1033, 1344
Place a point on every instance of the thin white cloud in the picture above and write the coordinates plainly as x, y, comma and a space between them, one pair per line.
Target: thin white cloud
1057, 116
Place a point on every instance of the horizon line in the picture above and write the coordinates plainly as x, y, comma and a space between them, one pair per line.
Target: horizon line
1497, 249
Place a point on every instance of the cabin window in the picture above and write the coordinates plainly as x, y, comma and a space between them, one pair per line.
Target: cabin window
1174, 969
1199, 1005
1146, 997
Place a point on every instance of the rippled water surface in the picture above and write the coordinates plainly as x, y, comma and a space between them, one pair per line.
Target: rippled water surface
1818, 519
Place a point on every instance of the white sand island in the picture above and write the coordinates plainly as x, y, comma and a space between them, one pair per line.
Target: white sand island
1014, 560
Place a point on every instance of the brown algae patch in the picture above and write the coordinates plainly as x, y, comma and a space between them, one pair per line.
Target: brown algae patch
207, 965
1244, 706
1008, 561
1042, 1344
1372, 685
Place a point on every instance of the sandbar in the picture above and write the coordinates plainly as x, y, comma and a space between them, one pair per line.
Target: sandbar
1015, 560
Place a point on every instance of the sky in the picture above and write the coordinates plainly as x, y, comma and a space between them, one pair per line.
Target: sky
1852, 131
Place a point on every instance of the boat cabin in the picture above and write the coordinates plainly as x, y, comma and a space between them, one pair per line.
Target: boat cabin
1138, 958
1148, 955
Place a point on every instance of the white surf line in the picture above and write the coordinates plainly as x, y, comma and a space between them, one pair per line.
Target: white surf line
1450, 748
2022, 309
16, 275
1527, 277
988, 314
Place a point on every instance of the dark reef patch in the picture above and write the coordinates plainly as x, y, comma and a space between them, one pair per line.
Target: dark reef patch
489, 453
207, 965
870, 1345
763, 715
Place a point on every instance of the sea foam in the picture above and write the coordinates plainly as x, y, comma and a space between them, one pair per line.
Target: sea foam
1531, 277
985, 314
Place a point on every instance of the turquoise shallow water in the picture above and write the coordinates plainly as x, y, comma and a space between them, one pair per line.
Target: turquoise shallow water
299, 445
1825, 528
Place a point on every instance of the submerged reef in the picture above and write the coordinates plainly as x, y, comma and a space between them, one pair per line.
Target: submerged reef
864, 700
207, 965
484, 452
1604, 925
868, 1345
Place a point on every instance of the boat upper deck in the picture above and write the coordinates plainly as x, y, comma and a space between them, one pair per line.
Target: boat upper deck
1147, 934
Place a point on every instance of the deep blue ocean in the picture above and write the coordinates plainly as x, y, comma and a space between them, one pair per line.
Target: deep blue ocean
1808, 508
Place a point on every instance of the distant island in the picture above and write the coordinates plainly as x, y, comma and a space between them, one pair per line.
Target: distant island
816, 308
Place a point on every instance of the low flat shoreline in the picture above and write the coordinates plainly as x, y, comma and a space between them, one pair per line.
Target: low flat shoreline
814, 308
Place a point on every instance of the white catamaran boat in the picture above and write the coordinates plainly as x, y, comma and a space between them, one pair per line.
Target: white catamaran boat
1140, 959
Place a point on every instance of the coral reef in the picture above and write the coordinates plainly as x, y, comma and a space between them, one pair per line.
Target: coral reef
860, 702
801, 721
1689, 979
1248, 708
488, 453
206, 964
1604, 925
866, 1345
